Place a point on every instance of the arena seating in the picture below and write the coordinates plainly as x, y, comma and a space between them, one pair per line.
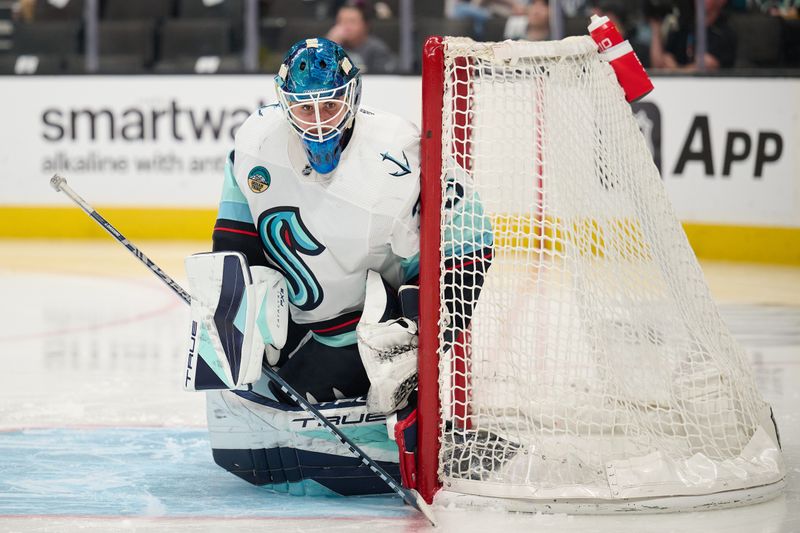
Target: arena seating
232, 10
429, 9
47, 37
49, 42
388, 31
297, 29
228, 64
31, 64
72, 10
183, 42
759, 40
137, 9
791, 43
297, 9
108, 64
156, 35
132, 38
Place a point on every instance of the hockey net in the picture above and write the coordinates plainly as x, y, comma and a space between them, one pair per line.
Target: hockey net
595, 367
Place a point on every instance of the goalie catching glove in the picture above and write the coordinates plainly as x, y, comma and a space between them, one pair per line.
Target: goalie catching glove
238, 314
388, 348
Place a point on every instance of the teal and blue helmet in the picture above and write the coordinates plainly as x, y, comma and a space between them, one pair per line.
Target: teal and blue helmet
319, 89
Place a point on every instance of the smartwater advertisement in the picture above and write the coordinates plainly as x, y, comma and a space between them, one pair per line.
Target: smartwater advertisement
139, 141
727, 153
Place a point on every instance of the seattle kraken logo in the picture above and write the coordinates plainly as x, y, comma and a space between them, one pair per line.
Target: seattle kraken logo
285, 237
404, 168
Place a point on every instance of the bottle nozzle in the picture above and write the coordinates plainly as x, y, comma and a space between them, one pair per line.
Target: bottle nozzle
596, 21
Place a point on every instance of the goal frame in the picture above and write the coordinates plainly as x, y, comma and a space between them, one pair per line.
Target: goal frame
429, 402
429, 406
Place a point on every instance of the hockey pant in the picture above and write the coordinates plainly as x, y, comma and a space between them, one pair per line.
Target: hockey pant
319, 371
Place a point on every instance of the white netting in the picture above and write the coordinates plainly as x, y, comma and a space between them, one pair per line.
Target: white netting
596, 365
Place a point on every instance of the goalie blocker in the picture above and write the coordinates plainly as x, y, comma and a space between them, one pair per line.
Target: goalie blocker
239, 314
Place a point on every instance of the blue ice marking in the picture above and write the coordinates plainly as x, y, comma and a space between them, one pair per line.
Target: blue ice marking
146, 472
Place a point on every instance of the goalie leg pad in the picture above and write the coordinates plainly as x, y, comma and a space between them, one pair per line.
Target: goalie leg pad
237, 314
283, 448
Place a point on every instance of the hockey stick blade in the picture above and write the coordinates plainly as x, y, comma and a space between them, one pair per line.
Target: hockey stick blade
423, 507
411, 497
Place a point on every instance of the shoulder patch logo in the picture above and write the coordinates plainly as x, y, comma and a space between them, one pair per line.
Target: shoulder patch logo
404, 167
258, 179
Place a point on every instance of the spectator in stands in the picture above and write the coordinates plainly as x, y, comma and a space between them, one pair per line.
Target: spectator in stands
351, 31
479, 11
618, 15
677, 51
532, 25
24, 10
780, 8
538, 21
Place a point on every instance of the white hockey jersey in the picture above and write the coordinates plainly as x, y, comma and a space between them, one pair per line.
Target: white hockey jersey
325, 231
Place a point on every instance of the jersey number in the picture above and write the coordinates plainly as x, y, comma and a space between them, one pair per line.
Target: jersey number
285, 237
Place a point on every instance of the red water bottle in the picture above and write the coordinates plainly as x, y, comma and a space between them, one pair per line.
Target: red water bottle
619, 53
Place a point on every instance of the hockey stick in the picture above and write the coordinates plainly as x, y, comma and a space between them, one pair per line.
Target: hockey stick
409, 496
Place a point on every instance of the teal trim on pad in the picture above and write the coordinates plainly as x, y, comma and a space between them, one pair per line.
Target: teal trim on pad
209, 354
373, 436
305, 487
337, 341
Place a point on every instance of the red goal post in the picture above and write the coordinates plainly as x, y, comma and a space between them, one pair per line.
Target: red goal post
430, 256
430, 227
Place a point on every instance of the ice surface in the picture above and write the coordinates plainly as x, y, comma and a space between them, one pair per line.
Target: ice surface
97, 435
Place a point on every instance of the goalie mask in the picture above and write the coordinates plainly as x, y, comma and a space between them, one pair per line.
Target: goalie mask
319, 89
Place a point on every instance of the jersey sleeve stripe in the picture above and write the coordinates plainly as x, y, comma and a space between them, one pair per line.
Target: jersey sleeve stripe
476, 256
239, 231
474, 230
236, 211
233, 224
334, 328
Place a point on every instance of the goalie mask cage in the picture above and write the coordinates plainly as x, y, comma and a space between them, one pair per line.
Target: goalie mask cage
596, 374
